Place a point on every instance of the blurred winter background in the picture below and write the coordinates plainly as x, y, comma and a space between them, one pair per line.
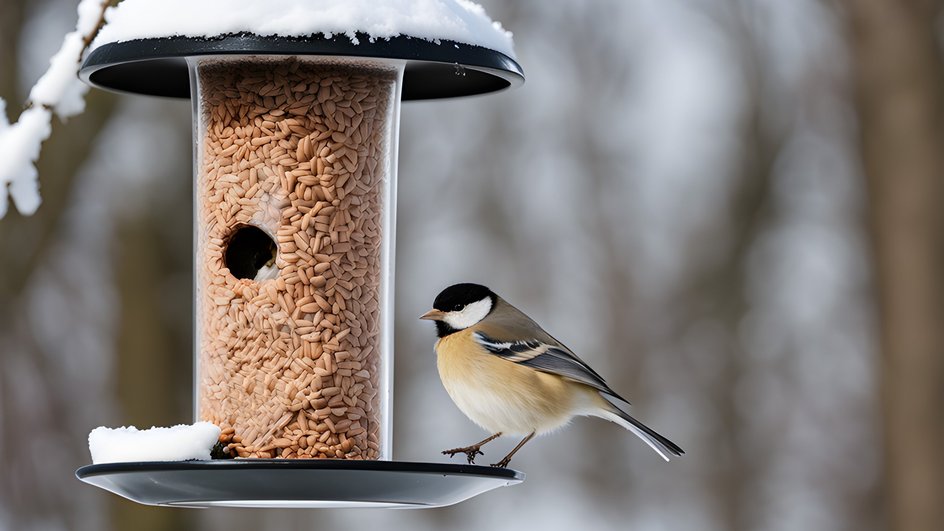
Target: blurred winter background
729, 208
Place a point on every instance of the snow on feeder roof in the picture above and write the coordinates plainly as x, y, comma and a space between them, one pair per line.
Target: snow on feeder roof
452, 47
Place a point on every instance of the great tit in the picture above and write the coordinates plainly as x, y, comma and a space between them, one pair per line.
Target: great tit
511, 377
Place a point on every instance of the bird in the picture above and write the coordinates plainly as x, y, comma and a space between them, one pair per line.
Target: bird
510, 377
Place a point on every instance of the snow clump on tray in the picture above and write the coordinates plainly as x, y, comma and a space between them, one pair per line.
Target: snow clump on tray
129, 444
434, 20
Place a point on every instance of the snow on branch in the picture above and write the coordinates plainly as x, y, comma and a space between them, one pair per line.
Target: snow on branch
59, 91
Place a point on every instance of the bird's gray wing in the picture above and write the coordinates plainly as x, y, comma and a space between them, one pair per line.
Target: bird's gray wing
543, 357
540, 351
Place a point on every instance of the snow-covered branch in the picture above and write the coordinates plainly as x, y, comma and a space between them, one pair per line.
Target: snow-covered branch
59, 91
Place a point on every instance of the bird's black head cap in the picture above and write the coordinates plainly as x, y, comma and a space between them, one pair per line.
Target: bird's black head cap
459, 296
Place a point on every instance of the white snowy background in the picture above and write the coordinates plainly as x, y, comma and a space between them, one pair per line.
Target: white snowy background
672, 194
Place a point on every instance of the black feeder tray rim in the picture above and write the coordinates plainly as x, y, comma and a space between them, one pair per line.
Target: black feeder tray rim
296, 482
440, 69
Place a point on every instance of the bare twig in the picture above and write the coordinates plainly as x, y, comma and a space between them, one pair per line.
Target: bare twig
87, 40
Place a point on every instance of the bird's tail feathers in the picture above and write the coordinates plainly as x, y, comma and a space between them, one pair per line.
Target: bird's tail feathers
660, 444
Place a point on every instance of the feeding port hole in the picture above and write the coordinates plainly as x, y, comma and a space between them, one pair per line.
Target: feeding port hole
248, 250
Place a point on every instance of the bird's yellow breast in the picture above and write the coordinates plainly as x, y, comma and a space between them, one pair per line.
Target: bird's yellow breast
500, 395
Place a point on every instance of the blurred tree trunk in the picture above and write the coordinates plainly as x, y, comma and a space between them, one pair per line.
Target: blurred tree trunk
717, 294
28, 497
900, 97
11, 20
716, 291
152, 364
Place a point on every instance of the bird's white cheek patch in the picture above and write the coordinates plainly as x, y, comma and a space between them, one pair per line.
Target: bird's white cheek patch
468, 316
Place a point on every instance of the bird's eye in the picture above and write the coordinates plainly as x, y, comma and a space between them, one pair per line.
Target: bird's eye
457, 307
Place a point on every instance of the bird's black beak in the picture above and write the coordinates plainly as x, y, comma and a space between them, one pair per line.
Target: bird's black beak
433, 315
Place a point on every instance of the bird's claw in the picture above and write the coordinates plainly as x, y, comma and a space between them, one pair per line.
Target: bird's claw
501, 464
469, 451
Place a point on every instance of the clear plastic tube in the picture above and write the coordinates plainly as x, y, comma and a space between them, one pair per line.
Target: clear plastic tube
294, 198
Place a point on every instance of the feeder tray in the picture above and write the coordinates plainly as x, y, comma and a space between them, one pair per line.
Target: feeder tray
158, 67
430, 70
301, 483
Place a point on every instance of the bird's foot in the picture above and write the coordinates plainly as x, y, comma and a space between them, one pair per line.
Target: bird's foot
469, 451
502, 464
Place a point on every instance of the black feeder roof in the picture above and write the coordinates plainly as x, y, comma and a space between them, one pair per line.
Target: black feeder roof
158, 67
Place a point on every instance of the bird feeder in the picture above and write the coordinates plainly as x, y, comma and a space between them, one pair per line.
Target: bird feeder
295, 152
